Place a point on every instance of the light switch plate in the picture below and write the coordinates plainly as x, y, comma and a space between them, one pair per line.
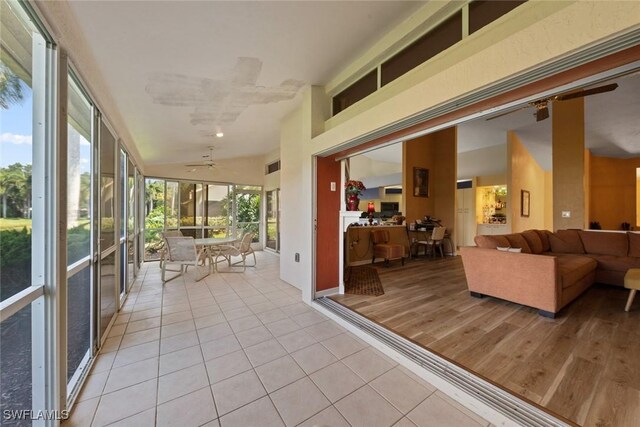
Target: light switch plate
566, 214
333, 186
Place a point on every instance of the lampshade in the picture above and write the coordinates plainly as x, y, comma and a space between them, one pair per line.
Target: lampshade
371, 207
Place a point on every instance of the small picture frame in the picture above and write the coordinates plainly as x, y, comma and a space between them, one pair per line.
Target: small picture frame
420, 182
525, 203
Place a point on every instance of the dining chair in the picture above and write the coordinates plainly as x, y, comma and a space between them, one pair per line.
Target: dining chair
434, 241
183, 252
383, 248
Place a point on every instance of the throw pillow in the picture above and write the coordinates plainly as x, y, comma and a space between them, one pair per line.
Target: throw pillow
517, 241
634, 244
534, 241
605, 243
566, 242
491, 242
544, 238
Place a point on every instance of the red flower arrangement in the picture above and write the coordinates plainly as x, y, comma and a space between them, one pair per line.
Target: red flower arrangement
354, 187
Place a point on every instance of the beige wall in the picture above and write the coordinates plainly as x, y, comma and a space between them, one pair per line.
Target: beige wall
568, 164
613, 191
525, 174
507, 50
534, 34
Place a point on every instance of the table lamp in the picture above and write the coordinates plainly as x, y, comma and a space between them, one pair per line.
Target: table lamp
371, 209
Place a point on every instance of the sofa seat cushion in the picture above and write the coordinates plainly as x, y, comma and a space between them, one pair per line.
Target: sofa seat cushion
566, 242
388, 250
615, 263
572, 268
605, 243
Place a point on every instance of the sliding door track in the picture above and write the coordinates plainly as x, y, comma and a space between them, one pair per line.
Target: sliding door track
511, 406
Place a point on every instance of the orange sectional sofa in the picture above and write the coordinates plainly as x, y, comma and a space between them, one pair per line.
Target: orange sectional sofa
553, 269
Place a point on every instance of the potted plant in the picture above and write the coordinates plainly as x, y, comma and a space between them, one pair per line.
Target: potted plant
352, 190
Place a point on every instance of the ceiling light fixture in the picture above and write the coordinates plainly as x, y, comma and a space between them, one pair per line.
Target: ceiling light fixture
219, 134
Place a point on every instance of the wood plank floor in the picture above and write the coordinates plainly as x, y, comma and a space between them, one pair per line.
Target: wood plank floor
584, 365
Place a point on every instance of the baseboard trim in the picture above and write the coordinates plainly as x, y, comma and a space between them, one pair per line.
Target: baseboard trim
472, 391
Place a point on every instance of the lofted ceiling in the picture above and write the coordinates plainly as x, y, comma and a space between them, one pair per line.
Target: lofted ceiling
182, 71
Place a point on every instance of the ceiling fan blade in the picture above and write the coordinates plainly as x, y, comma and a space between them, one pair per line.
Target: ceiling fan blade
587, 92
508, 112
195, 166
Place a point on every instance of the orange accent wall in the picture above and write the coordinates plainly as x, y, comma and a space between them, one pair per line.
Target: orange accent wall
328, 206
613, 191
436, 152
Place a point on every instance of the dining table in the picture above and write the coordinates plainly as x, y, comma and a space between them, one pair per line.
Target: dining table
210, 243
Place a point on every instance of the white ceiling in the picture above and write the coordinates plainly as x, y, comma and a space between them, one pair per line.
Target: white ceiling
612, 129
180, 70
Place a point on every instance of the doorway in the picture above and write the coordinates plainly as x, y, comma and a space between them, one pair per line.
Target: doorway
272, 231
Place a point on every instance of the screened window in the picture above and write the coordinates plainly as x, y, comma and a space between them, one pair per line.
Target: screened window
426, 47
354, 93
23, 237
154, 210
484, 12
107, 183
79, 283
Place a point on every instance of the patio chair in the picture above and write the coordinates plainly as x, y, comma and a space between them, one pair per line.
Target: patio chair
182, 251
163, 235
241, 249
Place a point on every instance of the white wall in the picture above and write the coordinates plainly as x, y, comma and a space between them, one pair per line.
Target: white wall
362, 167
271, 181
295, 182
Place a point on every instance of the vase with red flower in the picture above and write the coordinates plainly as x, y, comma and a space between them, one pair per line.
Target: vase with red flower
352, 190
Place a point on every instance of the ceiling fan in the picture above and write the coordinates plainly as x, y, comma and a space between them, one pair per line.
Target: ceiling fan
208, 163
542, 105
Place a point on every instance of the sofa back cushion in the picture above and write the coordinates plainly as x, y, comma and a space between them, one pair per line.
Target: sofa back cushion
517, 241
534, 241
634, 244
544, 238
604, 243
491, 242
566, 242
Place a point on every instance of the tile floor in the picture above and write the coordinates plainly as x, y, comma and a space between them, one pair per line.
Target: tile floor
242, 350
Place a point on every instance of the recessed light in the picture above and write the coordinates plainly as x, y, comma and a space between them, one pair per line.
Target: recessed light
219, 134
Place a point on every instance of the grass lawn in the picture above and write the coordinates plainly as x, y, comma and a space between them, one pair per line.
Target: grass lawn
15, 223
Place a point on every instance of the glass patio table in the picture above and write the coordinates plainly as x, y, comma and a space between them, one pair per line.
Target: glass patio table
211, 243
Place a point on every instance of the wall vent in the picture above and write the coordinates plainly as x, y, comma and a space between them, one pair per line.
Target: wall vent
272, 167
